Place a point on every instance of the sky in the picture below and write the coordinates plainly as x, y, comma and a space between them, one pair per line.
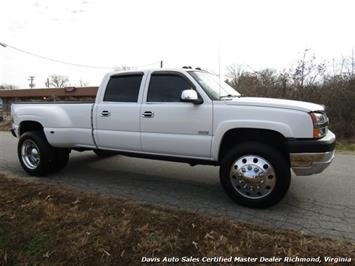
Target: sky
209, 34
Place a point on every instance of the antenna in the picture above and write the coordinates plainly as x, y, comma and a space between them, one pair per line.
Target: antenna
352, 63
219, 72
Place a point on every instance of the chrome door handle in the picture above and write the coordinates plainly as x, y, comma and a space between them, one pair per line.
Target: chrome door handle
105, 113
148, 114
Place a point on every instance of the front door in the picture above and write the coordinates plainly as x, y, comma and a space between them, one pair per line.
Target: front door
171, 127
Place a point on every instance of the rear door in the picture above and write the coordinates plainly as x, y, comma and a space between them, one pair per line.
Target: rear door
171, 127
117, 114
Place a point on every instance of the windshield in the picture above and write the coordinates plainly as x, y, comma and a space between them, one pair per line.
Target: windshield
215, 88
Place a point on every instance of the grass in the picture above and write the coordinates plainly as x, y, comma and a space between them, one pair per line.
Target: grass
43, 224
345, 147
38, 244
4, 238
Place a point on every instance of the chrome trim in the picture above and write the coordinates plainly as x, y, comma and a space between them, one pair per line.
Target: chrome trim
252, 176
304, 164
105, 113
148, 114
189, 95
30, 154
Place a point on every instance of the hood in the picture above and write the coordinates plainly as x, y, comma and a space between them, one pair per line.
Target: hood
277, 103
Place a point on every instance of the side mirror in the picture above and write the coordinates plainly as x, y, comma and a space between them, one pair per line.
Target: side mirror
190, 96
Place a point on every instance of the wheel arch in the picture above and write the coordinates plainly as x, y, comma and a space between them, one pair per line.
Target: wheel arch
235, 136
29, 125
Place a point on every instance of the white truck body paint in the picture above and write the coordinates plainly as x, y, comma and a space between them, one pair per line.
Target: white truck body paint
177, 129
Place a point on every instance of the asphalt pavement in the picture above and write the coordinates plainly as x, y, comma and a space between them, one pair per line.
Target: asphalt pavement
322, 204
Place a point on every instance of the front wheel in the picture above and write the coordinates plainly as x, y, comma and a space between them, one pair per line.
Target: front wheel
255, 175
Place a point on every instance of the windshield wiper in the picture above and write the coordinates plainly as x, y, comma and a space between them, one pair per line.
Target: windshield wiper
228, 96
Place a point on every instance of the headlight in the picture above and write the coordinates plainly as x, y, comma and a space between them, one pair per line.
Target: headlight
320, 124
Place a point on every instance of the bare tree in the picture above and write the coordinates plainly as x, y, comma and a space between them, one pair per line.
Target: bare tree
7, 87
267, 77
58, 81
83, 83
307, 72
308, 80
234, 73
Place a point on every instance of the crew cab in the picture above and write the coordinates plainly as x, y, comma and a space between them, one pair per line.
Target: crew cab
183, 115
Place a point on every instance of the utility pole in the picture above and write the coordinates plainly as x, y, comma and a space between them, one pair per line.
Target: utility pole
161, 64
31, 79
47, 83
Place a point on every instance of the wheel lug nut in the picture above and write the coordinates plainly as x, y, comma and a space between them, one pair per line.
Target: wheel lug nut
249, 167
256, 170
243, 170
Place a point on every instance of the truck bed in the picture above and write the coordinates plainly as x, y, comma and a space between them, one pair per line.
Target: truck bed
65, 124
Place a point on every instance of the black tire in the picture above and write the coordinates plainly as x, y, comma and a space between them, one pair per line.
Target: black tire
61, 158
278, 162
104, 154
45, 153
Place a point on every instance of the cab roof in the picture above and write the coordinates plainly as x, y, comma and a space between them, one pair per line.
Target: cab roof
146, 70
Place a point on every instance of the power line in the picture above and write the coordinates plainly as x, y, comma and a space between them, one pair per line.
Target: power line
154, 63
52, 59
66, 62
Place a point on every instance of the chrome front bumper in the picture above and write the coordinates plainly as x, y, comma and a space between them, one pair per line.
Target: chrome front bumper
310, 163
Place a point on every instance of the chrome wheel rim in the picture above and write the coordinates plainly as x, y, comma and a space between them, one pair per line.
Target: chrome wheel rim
30, 154
252, 176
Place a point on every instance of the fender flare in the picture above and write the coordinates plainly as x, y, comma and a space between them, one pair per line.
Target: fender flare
226, 126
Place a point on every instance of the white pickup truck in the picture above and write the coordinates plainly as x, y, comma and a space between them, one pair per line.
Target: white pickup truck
184, 115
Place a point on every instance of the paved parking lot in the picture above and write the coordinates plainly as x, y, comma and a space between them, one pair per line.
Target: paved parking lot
322, 204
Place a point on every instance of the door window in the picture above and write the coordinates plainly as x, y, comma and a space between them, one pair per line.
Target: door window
166, 88
123, 88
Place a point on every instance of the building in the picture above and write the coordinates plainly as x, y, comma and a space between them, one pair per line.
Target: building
1, 108
7, 97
